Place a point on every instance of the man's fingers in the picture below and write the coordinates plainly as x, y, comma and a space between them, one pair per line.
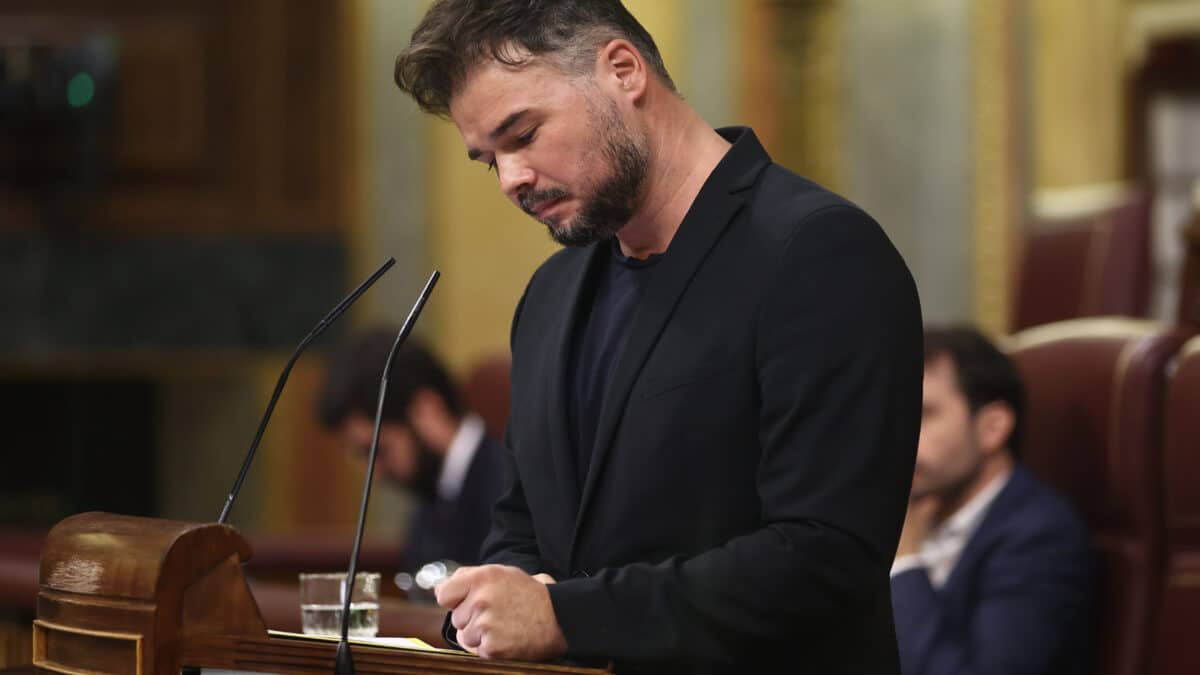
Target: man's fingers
499, 612
487, 649
469, 638
451, 592
485, 639
463, 614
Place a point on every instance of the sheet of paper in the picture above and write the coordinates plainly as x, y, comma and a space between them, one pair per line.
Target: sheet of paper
398, 642
390, 642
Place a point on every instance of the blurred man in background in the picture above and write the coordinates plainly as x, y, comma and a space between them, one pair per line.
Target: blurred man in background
428, 443
994, 571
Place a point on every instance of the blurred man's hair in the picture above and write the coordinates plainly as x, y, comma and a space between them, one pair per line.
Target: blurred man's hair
352, 384
985, 374
457, 35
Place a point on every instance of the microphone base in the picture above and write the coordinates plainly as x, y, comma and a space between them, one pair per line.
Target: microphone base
344, 663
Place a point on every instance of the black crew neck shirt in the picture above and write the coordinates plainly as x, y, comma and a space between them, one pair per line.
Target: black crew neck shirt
617, 285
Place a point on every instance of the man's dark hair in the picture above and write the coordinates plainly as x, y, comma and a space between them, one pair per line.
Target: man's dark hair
352, 384
456, 35
985, 374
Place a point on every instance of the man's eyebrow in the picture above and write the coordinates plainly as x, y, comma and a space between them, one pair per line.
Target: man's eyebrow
499, 131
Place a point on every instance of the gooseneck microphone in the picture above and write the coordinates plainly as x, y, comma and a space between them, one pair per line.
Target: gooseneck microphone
287, 369
344, 664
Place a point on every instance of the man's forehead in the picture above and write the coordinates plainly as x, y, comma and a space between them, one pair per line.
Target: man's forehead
495, 96
484, 90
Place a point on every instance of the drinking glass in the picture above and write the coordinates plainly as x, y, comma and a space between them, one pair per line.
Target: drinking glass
322, 596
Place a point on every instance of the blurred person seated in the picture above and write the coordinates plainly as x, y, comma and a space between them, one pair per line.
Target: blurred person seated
428, 443
994, 570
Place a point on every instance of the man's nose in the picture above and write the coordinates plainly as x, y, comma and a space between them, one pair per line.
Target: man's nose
515, 176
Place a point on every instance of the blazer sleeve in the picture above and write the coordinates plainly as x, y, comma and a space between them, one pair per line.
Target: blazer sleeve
511, 540
839, 363
1029, 612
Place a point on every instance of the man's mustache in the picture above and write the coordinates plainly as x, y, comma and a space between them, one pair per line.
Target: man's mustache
531, 200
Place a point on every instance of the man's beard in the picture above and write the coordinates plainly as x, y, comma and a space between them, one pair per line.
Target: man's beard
951, 487
614, 199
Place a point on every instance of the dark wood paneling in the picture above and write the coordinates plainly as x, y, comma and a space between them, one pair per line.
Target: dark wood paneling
16, 640
163, 125
226, 114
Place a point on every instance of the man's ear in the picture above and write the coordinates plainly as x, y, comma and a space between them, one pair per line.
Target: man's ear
620, 66
994, 424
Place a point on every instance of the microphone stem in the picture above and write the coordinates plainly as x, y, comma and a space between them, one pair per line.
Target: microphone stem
333, 315
362, 509
346, 658
262, 427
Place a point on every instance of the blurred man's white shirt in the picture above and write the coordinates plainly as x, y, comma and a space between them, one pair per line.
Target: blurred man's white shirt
944, 546
459, 455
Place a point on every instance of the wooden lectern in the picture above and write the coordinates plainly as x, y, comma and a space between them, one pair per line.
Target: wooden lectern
145, 596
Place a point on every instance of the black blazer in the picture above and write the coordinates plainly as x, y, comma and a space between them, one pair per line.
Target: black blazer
455, 529
754, 452
1018, 601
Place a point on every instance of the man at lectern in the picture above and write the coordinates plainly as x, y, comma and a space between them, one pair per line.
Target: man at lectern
428, 443
716, 383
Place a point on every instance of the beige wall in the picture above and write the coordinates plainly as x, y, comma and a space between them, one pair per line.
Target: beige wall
907, 139
1075, 51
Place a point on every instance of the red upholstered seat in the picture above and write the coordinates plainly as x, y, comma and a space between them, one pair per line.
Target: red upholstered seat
1086, 265
1178, 644
487, 391
1094, 431
1189, 282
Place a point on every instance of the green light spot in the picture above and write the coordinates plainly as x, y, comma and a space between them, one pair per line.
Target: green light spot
80, 90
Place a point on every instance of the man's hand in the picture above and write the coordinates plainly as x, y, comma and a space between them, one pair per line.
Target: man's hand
501, 612
918, 523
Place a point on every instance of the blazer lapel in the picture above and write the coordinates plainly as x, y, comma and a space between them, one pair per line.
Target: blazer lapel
561, 336
715, 206
1001, 508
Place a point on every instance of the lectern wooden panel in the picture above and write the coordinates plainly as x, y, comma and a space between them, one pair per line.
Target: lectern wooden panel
145, 596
